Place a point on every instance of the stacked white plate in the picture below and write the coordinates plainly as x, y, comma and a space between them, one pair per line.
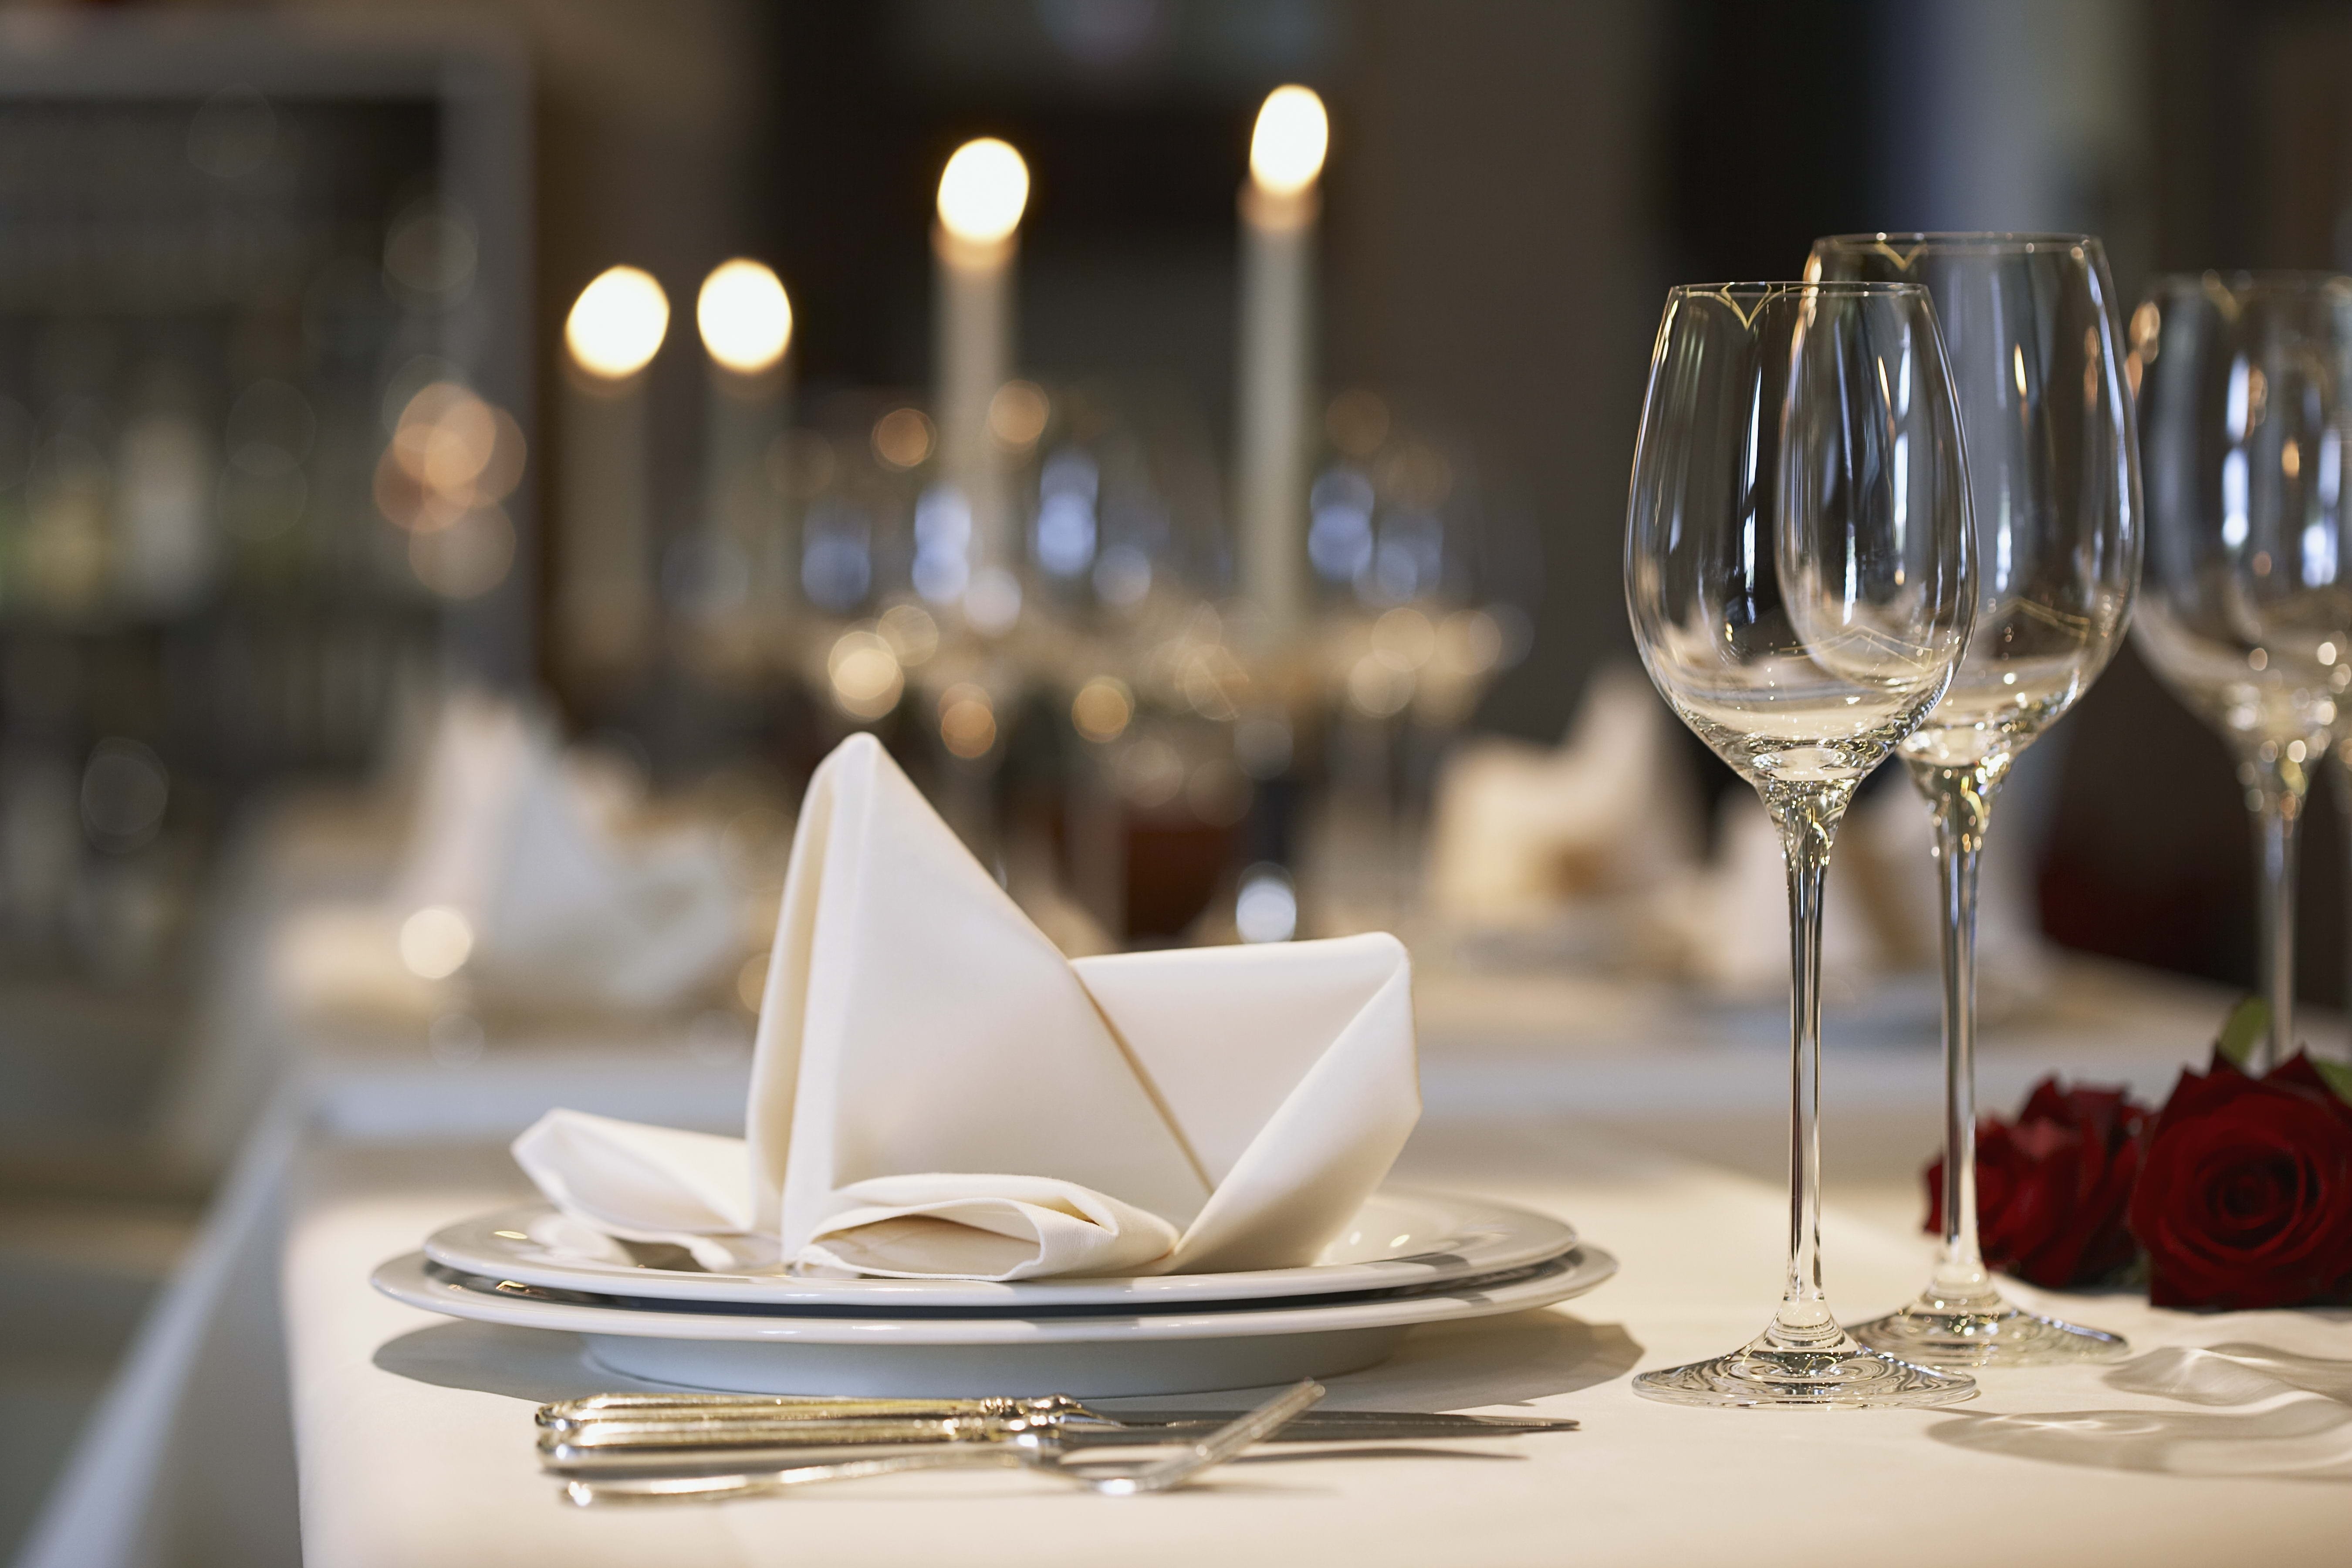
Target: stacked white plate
1407, 1259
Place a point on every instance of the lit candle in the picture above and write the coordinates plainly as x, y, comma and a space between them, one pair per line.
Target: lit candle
1278, 207
746, 320
983, 192
604, 600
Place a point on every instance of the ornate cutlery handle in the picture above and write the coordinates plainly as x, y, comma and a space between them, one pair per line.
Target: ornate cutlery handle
797, 1407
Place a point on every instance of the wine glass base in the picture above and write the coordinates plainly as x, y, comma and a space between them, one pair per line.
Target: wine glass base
1937, 1333
1841, 1375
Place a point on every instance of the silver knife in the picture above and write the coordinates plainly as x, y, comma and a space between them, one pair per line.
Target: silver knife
608, 1432
605, 1444
713, 1413
573, 1461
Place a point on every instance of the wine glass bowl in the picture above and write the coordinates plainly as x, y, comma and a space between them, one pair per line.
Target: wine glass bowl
2029, 332
1792, 613
1799, 574
2036, 355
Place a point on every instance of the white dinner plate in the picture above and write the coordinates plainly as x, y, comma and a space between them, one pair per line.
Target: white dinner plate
1171, 1348
1398, 1239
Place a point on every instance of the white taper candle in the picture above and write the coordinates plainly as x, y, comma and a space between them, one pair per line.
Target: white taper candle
604, 598
983, 192
1279, 207
746, 320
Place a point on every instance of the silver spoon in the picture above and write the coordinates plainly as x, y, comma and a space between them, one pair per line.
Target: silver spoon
1030, 1451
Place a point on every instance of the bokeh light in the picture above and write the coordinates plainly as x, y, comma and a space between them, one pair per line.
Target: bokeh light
446, 437
982, 192
1472, 641
911, 633
451, 454
993, 603
1149, 773
866, 675
903, 437
1266, 907
617, 324
1102, 708
1379, 685
1017, 413
745, 317
1286, 148
1405, 637
436, 941
966, 720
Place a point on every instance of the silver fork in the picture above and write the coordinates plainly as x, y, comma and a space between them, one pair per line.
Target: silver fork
1030, 1451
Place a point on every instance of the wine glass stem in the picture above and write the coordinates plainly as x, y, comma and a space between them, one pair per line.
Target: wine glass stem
2276, 787
1961, 799
1808, 816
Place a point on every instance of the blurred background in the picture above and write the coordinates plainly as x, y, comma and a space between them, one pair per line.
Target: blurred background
338, 514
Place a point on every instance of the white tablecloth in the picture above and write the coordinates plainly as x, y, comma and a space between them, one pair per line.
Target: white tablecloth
415, 1434
1618, 1107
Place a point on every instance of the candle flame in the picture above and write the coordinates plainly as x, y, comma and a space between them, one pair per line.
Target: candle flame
745, 316
1292, 136
617, 324
983, 191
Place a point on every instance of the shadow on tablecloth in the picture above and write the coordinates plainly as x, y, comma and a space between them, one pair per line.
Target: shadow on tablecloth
1512, 1360
2254, 1410
536, 1365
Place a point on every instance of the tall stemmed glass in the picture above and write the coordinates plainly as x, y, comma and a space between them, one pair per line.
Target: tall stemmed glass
2036, 348
1801, 576
2243, 383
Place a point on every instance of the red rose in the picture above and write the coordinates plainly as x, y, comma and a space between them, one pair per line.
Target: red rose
2245, 1190
2052, 1189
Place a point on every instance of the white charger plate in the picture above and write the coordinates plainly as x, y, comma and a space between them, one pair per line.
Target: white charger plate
1399, 1240
1176, 1348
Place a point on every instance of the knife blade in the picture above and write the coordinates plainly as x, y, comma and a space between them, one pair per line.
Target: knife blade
1148, 1419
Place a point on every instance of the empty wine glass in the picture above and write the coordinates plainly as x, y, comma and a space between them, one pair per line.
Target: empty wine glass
2035, 346
2242, 382
1801, 576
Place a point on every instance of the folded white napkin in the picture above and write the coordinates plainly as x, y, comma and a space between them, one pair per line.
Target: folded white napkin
1888, 843
512, 845
1730, 921
937, 1092
1519, 831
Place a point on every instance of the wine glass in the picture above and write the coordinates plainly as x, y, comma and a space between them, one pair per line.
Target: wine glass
2243, 381
2036, 352
1801, 575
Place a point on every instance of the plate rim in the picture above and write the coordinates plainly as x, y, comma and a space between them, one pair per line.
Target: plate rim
1545, 1238
1583, 1268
